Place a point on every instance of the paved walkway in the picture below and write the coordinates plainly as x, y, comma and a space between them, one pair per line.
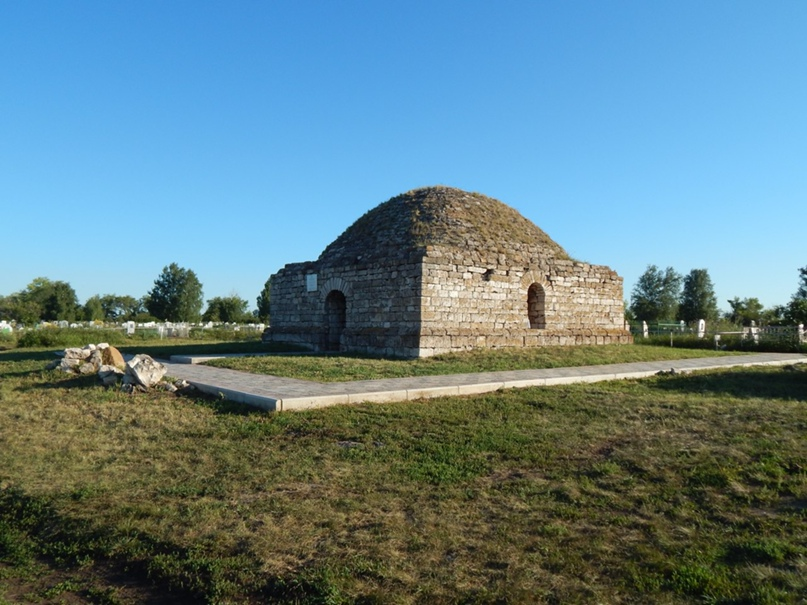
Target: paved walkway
278, 394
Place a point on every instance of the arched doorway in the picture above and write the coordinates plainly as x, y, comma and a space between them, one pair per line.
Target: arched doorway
335, 319
536, 306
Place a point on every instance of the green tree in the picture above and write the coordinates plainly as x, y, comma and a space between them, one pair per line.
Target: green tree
120, 308
48, 300
744, 311
143, 315
230, 309
698, 300
176, 295
93, 310
263, 301
802, 289
8, 307
656, 293
796, 310
629, 316
773, 316
15, 308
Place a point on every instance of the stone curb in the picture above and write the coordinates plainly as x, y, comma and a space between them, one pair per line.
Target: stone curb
253, 389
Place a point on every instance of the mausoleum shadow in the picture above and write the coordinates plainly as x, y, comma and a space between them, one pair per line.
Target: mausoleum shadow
787, 382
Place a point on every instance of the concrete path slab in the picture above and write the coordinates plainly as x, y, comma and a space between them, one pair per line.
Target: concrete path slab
274, 393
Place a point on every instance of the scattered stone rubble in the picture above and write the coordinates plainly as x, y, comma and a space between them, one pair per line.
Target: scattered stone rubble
140, 373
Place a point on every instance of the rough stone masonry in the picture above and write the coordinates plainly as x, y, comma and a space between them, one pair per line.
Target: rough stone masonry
439, 269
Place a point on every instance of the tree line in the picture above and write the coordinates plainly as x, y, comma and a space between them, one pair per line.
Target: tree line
659, 295
666, 295
176, 296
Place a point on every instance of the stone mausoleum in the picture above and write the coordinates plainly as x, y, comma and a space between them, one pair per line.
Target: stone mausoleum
439, 269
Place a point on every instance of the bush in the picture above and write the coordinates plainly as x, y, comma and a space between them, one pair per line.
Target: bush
770, 346
222, 333
69, 337
79, 337
7, 340
728, 342
684, 341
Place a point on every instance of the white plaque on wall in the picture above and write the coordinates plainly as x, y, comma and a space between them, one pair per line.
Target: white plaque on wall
311, 282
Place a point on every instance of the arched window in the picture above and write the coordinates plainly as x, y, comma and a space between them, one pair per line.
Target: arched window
335, 319
536, 306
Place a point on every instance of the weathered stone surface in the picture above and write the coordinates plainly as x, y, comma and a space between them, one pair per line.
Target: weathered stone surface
96, 359
77, 353
69, 364
440, 269
109, 380
87, 368
110, 375
112, 357
145, 371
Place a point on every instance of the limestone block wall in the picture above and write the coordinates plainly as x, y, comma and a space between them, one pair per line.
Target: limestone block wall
584, 296
472, 303
382, 307
292, 319
445, 301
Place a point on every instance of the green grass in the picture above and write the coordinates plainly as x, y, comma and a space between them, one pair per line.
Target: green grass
729, 342
672, 489
163, 349
338, 368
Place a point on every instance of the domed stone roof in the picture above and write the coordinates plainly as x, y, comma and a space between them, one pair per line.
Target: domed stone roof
439, 217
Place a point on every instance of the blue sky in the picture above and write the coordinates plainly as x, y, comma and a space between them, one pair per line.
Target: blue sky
235, 137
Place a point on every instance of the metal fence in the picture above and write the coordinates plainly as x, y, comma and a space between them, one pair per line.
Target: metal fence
757, 334
161, 329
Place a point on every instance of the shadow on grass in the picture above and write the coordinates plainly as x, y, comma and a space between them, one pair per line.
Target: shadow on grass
27, 355
102, 562
166, 349
71, 381
150, 570
787, 382
224, 406
218, 405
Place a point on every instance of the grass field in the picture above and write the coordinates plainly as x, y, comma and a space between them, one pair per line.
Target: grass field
672, 489
338, 368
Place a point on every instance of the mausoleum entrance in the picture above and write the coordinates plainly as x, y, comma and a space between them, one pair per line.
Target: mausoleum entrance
335, 319
536, 306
